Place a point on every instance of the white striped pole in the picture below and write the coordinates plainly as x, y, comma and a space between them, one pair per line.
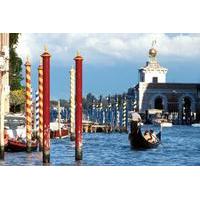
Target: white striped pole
124, 113
134, 104
93, 110
117, 112
97, 112
109, 110
100, 110
37, 113
40, 88
72, 104
28, 105
103, 120
32, 110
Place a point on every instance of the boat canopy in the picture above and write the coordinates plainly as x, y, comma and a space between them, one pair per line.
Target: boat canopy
154, 111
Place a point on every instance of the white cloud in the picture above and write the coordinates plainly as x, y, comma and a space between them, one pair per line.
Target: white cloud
100, 48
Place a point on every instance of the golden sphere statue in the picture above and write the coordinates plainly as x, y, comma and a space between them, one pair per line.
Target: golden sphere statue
152, 52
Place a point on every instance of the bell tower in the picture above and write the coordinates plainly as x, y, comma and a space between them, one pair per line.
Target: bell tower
152, 72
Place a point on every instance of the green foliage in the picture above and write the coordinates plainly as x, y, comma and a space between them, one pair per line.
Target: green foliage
15, 64
17, 99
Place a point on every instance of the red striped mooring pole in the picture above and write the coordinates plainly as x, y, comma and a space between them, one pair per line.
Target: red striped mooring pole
46, 106
28, 106
78, 129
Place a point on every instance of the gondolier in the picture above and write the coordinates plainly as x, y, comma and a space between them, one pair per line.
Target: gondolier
135, 118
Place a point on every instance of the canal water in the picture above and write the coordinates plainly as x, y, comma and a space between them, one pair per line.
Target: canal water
180, 147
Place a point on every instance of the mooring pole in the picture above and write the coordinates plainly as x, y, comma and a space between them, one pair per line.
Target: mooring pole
124, 121
40, 88
117, 112
59, 120
37, 113
46, 106
28, 105
72, 104
78, 141
2, 116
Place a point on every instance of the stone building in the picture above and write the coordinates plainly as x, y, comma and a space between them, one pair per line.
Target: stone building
180, 101
4, 68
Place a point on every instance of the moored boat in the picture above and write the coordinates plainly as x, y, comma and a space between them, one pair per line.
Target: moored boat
18, 146
162, 122
166, 124
56, 134
138, 141
197, 125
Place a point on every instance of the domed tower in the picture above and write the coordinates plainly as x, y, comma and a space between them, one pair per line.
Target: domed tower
152, 72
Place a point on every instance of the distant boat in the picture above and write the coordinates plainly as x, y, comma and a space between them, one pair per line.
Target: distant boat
166, 124
162, 122
197, 125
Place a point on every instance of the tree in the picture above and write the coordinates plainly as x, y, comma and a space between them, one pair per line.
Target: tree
17, 99
15, 64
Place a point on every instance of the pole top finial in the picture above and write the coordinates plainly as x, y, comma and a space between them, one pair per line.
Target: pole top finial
46, 52
78, 53
153, 44
27, 63
27, 58
45, 48
78, 56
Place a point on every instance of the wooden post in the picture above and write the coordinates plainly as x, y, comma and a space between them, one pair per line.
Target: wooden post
1, 116
59, 120
72, 104
28, 105
46, 106
40, 88
78, 141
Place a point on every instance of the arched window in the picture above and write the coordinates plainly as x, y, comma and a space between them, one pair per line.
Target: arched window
158, 103
187, 103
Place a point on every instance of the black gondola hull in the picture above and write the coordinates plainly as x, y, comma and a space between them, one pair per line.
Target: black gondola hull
137, 141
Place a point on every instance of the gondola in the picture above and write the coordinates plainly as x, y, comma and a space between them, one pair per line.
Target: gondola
137, 141
18, 146
55, 134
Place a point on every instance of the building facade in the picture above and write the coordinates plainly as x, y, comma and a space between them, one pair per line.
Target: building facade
180, 101
4, 68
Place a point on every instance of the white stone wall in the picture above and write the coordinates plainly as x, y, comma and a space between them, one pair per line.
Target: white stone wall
149, 74
141, 91
4, 47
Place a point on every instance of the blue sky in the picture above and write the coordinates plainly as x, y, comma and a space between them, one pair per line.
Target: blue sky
111, 60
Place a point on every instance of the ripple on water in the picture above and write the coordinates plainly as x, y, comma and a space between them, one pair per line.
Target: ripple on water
180, 146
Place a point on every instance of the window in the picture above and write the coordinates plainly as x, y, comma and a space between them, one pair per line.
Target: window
155, 79
142, 79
